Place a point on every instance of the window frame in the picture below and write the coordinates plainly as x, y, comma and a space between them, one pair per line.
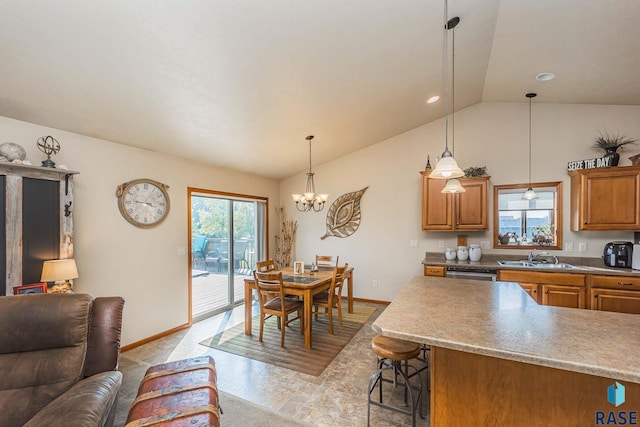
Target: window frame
557, 244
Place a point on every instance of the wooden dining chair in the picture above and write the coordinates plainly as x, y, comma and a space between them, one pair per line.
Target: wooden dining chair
265, 266
327, 260
273, 302
331, 298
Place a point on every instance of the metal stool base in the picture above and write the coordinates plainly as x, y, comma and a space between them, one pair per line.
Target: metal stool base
377, 380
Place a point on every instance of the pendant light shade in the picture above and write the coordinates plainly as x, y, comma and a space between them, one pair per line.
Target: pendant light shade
530, 194
453, 186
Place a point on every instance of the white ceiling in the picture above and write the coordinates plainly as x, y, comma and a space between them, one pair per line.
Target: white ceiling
240, 83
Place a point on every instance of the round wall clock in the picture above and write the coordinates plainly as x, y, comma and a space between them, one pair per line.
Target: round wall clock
143, 202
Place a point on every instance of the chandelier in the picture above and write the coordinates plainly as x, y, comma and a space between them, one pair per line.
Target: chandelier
309, 200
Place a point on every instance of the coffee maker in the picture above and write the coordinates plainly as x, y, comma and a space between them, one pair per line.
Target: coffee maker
618, 254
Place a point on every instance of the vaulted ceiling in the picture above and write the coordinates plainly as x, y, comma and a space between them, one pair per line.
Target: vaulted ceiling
240, 83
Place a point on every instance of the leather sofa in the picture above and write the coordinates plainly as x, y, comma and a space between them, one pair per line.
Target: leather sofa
59, 357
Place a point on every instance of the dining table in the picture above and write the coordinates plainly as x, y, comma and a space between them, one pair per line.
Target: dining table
305, 285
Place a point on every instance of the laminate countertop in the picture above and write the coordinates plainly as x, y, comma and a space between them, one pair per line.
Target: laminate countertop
499, 319
490, 262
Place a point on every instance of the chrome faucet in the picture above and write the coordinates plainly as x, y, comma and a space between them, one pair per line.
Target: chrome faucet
533, 255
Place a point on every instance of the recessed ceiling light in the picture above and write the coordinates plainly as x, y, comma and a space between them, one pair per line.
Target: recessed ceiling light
433, 99
544, 77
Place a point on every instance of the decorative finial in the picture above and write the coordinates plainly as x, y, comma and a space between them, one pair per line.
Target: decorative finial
428, 166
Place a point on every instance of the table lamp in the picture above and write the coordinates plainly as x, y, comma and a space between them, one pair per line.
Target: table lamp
61, 272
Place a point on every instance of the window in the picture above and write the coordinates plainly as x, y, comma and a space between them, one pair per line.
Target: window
520, 223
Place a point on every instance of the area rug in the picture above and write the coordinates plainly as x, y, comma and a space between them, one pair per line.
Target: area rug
294, 356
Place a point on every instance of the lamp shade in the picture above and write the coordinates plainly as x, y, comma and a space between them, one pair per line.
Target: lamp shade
58, 270
453, 186
446, 168
529, 194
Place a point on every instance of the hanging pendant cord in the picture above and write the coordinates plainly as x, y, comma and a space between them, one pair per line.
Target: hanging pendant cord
446, 76
530, 142
453, 91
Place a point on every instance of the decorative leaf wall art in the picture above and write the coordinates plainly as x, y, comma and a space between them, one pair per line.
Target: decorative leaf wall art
343, 218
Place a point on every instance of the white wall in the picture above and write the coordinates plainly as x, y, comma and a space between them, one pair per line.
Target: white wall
486, 134
116, 258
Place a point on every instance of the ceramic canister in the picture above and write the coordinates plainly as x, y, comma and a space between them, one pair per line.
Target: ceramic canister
475, 253
463, 253
450, 254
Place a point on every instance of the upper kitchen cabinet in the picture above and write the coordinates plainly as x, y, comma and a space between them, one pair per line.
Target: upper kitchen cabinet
605, 199
466, 211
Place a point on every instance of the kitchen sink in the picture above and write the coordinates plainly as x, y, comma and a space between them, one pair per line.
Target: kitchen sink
542, 266
515, 263
560, 265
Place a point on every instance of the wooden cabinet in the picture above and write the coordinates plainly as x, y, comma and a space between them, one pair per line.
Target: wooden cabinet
557, 289
532, 290
605, 199
466, 211
435, 270
36, 205
614, 293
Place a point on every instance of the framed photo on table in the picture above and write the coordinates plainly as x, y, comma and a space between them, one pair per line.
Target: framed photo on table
34, 288
298, 267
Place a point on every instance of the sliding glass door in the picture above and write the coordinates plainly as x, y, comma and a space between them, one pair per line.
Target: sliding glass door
228, 235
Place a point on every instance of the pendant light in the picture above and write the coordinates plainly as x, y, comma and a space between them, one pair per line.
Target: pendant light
530, 194
453, 184
447, 167
309, 200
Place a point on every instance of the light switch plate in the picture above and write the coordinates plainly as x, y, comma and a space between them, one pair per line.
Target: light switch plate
582, 247
485, 244
568, 246
413, 243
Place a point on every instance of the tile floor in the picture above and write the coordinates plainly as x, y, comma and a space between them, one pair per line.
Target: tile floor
338, 397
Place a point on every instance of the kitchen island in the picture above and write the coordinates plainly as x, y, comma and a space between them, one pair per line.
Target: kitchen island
500, 359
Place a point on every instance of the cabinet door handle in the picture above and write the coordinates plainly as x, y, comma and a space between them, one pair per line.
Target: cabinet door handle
596, 295
625, 284
546, 291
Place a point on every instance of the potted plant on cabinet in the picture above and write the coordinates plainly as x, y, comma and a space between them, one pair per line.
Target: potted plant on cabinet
610, 144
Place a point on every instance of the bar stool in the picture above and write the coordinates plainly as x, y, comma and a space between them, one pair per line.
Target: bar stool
391, 352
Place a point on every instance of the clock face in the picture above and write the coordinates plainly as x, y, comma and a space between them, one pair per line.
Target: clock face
143, 202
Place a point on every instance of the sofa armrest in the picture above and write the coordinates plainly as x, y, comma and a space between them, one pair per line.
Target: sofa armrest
86, 404
103, 345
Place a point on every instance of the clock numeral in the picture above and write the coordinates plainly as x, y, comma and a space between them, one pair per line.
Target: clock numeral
159, 211
130, 210
127, 202
137, 217
145, 186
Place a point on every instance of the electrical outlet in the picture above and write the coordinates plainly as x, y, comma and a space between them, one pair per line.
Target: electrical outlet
413, 243
568, 246
485, 244
374, 284
582, 247
182, 251
441, 244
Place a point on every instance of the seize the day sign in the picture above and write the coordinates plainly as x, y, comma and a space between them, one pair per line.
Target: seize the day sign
602, 162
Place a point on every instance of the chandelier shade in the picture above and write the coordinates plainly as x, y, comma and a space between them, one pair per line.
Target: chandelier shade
310, 200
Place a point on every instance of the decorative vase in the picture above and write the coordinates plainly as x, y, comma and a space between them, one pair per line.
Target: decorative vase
463, 253
475, 253
613, 155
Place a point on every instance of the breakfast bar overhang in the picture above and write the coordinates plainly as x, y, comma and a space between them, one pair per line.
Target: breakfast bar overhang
500, 359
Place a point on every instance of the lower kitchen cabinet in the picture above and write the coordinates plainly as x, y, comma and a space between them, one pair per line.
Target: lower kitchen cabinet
435, 270
563, 296
557, 289
532, 290
615, 293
